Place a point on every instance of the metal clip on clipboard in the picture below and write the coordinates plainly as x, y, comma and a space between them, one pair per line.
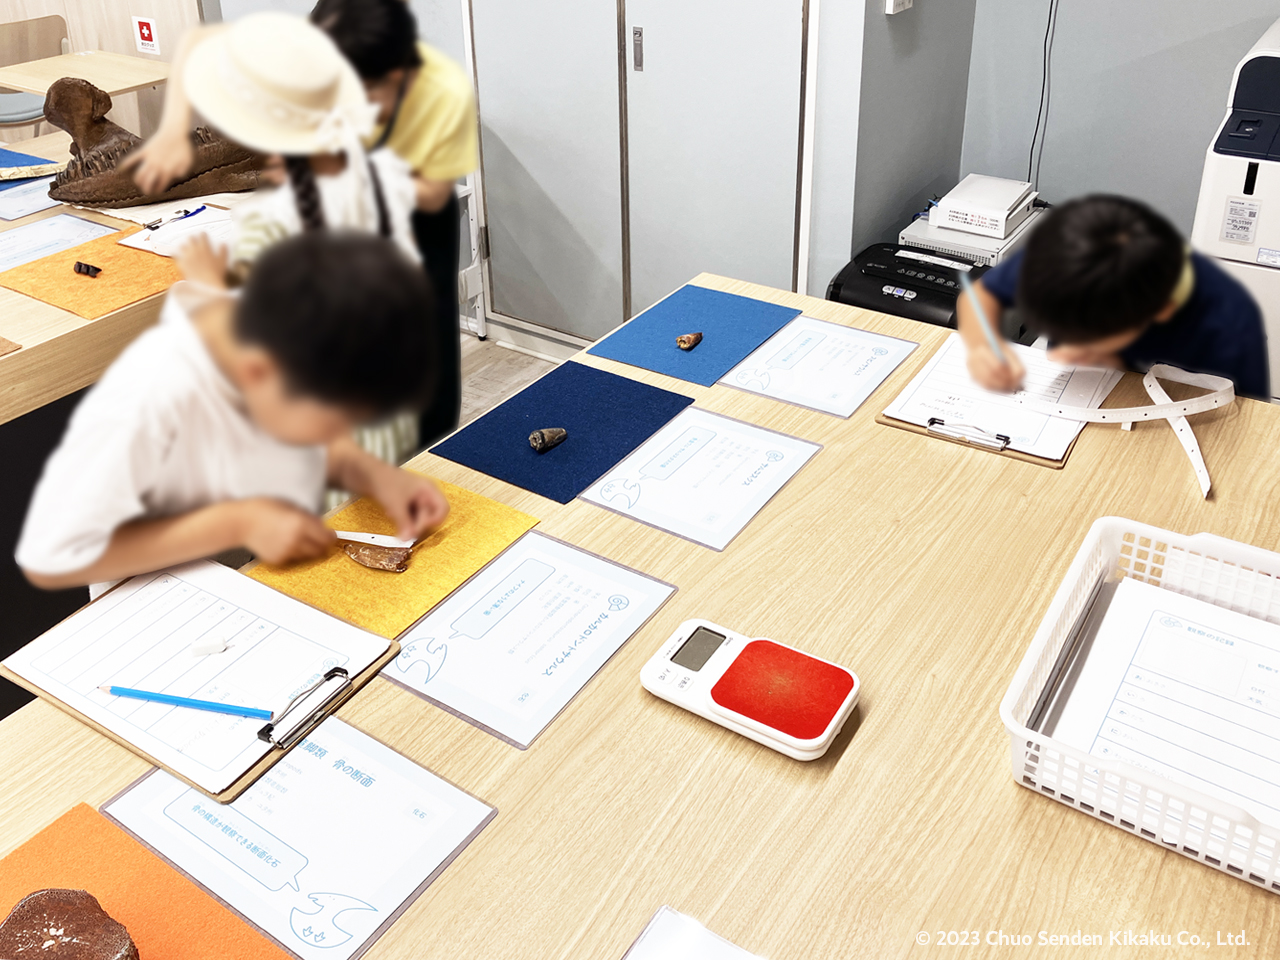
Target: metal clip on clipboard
967, 434
278, 733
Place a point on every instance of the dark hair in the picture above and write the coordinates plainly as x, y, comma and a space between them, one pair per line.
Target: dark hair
377, 36
1098, 266
347, 316
306, 192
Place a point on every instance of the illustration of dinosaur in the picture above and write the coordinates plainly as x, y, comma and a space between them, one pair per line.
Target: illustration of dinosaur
93, 177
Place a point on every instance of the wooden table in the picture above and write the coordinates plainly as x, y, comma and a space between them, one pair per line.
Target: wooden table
113, 72
61, 352
923, 565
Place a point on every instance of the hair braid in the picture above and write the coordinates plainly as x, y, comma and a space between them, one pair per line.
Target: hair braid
306, 194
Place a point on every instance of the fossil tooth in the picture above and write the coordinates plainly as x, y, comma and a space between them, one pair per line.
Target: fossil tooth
546, 438
393, 559
687, 341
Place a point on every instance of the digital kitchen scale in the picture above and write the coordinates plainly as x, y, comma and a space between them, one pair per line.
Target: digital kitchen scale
777, 695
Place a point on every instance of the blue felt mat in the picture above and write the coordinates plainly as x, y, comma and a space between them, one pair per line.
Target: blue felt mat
12, 158
607, 417
731, 327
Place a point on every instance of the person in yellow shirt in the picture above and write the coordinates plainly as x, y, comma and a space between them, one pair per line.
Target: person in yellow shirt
427, 115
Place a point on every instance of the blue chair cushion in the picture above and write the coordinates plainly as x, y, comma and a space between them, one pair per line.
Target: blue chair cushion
21, 107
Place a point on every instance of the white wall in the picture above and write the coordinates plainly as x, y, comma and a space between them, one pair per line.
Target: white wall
1138, 88
915, 73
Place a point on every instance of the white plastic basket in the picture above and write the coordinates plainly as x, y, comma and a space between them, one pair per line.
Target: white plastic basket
1210, 568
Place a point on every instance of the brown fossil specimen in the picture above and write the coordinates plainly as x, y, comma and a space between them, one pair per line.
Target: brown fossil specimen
548, 437
93, 176
393, 559
687, 341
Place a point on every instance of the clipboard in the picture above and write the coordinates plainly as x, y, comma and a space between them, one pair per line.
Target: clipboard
308, 706
968, 437
294, 734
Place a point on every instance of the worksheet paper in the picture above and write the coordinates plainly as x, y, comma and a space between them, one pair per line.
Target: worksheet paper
671, 935
325, 851
166, 210
140, 635
168, 240
820, 365
513, 646
944, 390
1186, 690
32, 241
702, 477
24, 197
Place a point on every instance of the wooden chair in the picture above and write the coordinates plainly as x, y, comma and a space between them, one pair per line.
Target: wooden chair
21, 42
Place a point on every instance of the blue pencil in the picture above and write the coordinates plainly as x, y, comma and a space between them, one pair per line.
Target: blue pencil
211, 706
992, 342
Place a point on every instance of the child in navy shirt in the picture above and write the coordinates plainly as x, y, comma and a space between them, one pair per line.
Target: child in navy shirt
1111, 283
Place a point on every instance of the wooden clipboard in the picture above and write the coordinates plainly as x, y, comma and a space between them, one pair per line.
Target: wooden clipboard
1011, 454
269, 760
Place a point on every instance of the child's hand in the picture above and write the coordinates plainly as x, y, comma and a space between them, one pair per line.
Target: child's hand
277, 532
986, 368
201, 262
166, 157
412, 501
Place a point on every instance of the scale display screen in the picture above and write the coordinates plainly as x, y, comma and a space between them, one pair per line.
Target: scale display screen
697, 650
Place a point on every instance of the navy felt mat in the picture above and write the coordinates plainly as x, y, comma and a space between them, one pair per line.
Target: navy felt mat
12, 158
607, 417
731, 327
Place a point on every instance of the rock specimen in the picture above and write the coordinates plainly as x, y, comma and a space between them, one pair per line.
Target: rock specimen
548, 437
93, 177
687, 341
65, 925
393, 559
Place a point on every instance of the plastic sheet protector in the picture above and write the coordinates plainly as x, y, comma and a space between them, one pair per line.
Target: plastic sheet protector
731, 327
141, 635
325, 851
944, 391
703, 476
671, 935
514, 646
820, 365
1186, 690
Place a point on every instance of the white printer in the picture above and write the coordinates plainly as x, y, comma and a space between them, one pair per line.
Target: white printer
1238, 212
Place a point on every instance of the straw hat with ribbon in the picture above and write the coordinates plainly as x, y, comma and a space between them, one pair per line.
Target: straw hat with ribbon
276, 84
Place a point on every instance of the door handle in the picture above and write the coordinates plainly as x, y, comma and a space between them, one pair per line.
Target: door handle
637, 48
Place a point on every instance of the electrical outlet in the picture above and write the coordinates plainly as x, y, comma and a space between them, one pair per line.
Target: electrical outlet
896, 6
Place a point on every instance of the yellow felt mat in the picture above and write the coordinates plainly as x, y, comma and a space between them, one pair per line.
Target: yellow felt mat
476, 531
127, 276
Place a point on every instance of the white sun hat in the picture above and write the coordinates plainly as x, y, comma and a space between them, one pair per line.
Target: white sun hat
276, 84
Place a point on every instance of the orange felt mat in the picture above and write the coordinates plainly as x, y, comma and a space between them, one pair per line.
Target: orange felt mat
128, 275
168, 916
8, 346
476, 530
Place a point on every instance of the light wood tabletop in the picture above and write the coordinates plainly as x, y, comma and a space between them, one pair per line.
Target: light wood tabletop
115, 73
61, 352
924, 566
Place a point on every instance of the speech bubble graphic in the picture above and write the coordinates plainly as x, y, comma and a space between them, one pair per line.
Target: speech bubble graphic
624, 490
489, 610
320, 928
426, 650
237, 838
795, 351
753, 378
677, 453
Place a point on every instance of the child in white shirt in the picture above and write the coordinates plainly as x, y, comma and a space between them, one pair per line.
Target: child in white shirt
220, 427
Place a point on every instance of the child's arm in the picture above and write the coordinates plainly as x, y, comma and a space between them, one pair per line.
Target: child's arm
431, 195
412, 501
274, 531
168, 155
984, 366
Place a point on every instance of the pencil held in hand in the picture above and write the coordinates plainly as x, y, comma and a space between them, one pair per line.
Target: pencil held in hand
992, 340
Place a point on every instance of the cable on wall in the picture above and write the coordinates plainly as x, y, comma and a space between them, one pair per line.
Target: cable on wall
1046, 93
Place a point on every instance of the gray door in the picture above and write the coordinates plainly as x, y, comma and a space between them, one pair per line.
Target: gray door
547, 78
713, 133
